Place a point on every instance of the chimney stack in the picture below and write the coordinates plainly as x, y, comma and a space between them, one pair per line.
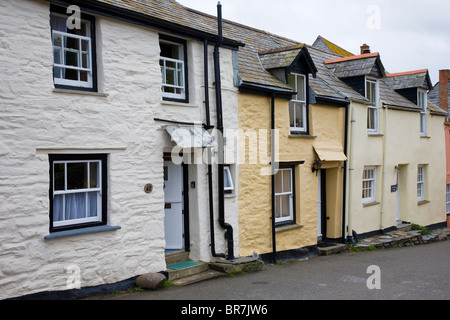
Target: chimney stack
444, 76
365, 49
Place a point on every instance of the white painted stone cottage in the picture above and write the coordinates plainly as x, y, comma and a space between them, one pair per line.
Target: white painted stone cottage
92, 190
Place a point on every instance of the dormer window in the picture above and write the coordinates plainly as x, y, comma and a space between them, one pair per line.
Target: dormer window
297, 106
422, 103
173, 70
373, 110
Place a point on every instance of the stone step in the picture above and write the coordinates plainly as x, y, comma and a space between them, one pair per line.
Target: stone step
198, 277
332, 249
176, 256
186, 272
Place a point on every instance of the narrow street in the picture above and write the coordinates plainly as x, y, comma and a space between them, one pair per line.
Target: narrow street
412, 273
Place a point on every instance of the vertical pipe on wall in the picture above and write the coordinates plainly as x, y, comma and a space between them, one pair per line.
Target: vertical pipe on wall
273, 159
221, 168
210, 173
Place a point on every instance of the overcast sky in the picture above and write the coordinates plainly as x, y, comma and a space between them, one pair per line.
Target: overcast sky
408, 34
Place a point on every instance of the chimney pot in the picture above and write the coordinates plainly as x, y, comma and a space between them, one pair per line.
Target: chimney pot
365, 49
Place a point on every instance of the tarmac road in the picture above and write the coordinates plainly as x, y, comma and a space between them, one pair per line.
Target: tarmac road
411, 273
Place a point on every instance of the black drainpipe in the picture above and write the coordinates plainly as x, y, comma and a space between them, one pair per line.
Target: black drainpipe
221, 183
344, 200
210, 178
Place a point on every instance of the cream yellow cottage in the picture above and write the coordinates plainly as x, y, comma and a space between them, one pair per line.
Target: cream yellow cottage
292, 146
394, 175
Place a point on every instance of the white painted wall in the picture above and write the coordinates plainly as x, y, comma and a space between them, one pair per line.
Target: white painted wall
36, 120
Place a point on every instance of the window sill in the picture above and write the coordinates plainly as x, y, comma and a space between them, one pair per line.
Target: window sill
370, 204
177, 104
301, 136
77, 232
86, 93
421, 202
374, 134
287, 227
425, 137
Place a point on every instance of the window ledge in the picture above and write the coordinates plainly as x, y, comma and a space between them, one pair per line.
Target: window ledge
86, 93
420, 202
77, 232
288, 227
177, 104
425, 137
302, 136
375, 134
370, 204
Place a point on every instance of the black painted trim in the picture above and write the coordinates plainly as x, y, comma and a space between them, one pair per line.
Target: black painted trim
70, 157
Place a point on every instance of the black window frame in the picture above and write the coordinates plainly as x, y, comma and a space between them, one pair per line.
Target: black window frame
104, 176
182, 42
63, 11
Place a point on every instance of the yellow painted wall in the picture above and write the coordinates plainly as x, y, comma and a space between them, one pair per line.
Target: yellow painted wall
255, 211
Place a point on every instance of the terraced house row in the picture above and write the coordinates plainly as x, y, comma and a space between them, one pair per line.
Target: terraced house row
132, 129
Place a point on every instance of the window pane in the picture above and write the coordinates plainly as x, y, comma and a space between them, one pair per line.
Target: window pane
77, 176
94, 181
59, 23
301, 88
279, 182
287, 181
58, 208
371, 118
285, 206
170, 72
59, 176
277, 206
299, 115
93, 198
228, 185
75, 206
83, 76
170, 51
72, 58
292, 113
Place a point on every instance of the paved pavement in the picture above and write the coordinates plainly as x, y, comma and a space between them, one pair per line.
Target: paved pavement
410, 273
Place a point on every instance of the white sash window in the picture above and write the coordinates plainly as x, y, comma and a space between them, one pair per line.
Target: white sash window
72, 53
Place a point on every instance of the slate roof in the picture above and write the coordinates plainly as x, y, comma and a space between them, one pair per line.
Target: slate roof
365, 64
169, 11
263, 51
251, 69
392, 99
434, 102
280, 57
328, 46
327, 84
411, 79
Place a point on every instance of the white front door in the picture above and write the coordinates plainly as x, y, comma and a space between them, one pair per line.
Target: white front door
173, 198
